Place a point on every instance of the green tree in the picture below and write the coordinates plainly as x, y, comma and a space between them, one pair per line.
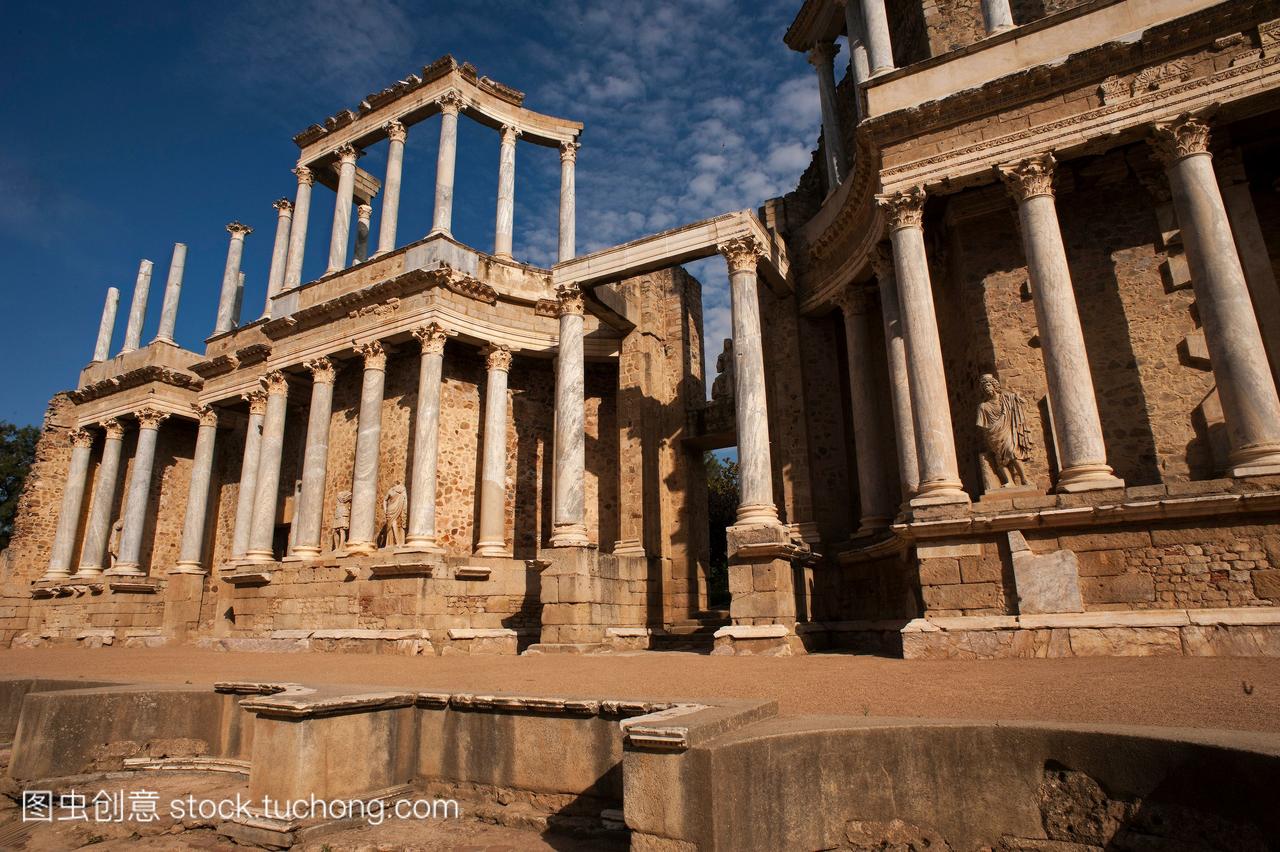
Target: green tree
722, 509
17, 452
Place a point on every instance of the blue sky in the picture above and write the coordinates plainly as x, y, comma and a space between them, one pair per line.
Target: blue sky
135, 126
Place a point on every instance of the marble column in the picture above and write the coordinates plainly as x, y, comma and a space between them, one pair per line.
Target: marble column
279, 251
97, 534
503, 227
899, 384
248, 473
569, 512
442, 219
364, 481
421, 534
396, 135
930, 405
138, 497
859, 65
231, 278
107, 325
138, 308
875, 28
493, 476
266, 497
298, 229
191, 550
568, 204
172, 295
364, 213
342, 208
1081, 453
315, 460
64, 536
821, 57
1245, 387
755, 468
1254, 256
997, 16
876, 510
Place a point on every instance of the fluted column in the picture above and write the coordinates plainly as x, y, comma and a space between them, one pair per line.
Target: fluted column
298, 229
97, 533
231, 278
873, 490
755, 467
248, 473
138, 308
107, 325
172, 295
899, 384
342, 208
503, 227
875, 27
442, 218
191, 550
426, 440
315, 460
1077, 428
262, 525
821, 57
569, 514
396, 135
64, 536
138, 498
1245, 387
493, 475
935, 441
364, 482
997, 16
568, 203
279, 251
364, 213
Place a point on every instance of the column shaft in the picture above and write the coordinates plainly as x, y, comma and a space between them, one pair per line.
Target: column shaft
279, 251
97, 534
442, 218
873, 490
342, 209
875, 27
262, 525
859, 65
172, 295
1256, 263
248, 474
505, 223
426, 440
569, 516
364, 484
997, 16
899, 384
364, 213
107, 326
138, 308
568, 204
138, 499
298, 229
493, 476
231, 279
64, 537
191, 550
821, 57
391, 187
315, 460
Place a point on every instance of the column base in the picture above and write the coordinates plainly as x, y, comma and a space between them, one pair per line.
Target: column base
570, 535
420, 545
440, 232
1255, 461
54, 576
872, 525
124, 569
187, 568
304, 552
359, 548
1087, 477
258, 557
85, 573
492, 548
940, 494
629, 547
757, 515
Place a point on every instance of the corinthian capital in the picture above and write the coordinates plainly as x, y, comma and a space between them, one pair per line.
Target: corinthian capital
239, 229
114, 429
395, 131
322, 371
305, 176
498, 357
431, 337
150, 418
364, 212
450, 102
81, 438
882, 263
283, 205
1030, 177
374, 355
274, 383
347, 154
569, 151
257, 402
569, 300
1176, 140
510, 133
854, 300
904, 208
822, 54
742, 254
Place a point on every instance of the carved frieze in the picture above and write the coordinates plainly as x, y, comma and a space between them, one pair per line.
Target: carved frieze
382, 309
254, 353
211, 367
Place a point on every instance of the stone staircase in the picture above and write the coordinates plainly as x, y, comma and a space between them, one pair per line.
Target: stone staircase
692, 634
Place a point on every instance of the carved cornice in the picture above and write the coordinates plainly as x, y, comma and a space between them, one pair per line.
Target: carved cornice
431, 338
206, 414
254, 353
569, 300
1184, 136
133, 379
374, 355
150, 418
114, 429
395, 131
257, 400
274, 383
283, 206
322, 370
239, 230
81, 439
904, 209
742, 254
217, 366
305, 176
497, 357
1030, 177
381, 309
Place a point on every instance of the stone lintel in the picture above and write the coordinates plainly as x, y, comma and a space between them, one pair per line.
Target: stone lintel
141, 585
240, 577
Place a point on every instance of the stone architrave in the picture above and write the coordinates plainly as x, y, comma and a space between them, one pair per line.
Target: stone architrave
64, 537
1047, 583
568, 204
442, 218
1245, 387
279, 251
364, 479
172, 295
138, 499
138, 308
248, 472
262, 524
338, 237
227, 312
298, 229
107, 325
426, 440
191, 551
930, 406
387, 222
505, 222
315, 460
93, 555
569, 518
493, 478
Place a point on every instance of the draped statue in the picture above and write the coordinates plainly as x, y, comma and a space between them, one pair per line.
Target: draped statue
1006, 433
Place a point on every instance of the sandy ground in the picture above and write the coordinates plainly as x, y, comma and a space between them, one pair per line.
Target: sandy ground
1228, 693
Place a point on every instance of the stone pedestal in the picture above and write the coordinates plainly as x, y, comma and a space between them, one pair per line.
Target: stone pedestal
762, 560
570, 598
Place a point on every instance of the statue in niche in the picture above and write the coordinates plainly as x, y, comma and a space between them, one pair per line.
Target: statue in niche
394, 506
1006, 434
341, 520
113, 542
722, 387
